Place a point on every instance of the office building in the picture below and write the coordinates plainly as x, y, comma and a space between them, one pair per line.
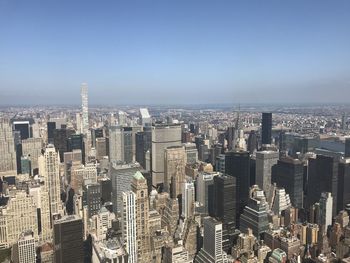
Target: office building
7, 147
18, 215
95, 134
174, 170
288, 173
26, 166
347, 148
32, 148
60, 139
92, 198
24, 250
68, 240
121, 176
51, 126
264, 162
139, 187
106, 189
24, 128
129, 225
205, 191
85, 121
49, 169
255, 213
163, 136
266, 128
343, 184
101, 148
188, 200
325, 211
211, 251
322, 177
76, 142
191, 153
145, 117
252, 142
237, 164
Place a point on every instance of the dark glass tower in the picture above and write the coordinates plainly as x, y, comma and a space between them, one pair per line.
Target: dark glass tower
288, 173
75, 142
343, 185
237, 164
266, 130
322, 177
252, 142
347, 147
68, 239
60, 140
51, 126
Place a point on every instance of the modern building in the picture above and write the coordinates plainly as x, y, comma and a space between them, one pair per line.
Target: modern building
191, 153
288, 173
205, 191
85, 120
145, 117
163, 136
92, 198
211, 252
237, 164
266, 129
265, 160
68, 240
188, 200
24, 250
343, 184
325, 212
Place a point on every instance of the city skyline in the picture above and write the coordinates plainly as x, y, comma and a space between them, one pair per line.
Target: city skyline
175, 52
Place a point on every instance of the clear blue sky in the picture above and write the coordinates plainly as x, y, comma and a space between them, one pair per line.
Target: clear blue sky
174, 51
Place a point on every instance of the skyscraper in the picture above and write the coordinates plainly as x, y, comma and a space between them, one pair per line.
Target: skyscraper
68, 240
25, 248
129, 225
139, 187
49, 169
174, 170
264, 162
85, 119
237, 164
163, 136
7, 147
347, 147
288, 173
188, 200
266, 130
343, 184
212, 246
325, 213
205, 190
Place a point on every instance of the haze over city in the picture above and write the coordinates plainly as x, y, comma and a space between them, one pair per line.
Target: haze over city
178, 52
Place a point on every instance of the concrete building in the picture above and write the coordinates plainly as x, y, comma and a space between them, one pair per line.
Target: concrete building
129, 225
7, 147
204, 189
325, 212
174, 170
24, 249
264, 162
163, 136
188, 200
32, 148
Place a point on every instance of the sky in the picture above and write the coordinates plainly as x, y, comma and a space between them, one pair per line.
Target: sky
174, 51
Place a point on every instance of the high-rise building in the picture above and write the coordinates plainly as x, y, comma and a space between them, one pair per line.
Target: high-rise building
7, 147
60, 138
163, 136
129, 225
205, 191
288, 173
32, 148
322, 177
264, 162
106, 189
76, 142
266, 129
174, 170
96, 133
51, 126
255, 213
191, 152
145, 117
25, 248
19, 214
188, 200
211, 251
143, 144
92, 198
121, 177
347, 147
237, 164
139, 187
252, 142
343, 184
49, 169
101, 148
85, 119
325, 213
24, 127
68, 240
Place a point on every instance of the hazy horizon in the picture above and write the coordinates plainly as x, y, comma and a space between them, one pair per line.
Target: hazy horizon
179, 52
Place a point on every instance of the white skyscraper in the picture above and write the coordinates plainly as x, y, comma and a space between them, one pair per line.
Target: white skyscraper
326, 207
25, 248
49, 169
129, 225
7, 147
85, 119
187, 200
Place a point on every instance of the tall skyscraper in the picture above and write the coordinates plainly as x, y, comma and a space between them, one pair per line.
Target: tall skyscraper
343, 184
252, 142
129, 225
325, 213
347, 147
322, 177
264, 162
188, 200
288, 173
174, 170
49, 169
85, 119
237, 164
25, 248
92, 198
139, 187
266, 129
205, 190
7, 147
212, 246
68, 240
51, 126
163, 136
